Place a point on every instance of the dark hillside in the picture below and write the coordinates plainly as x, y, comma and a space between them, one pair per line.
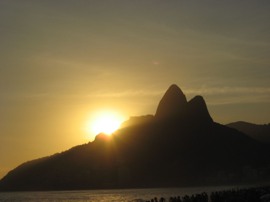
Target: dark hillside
256, 131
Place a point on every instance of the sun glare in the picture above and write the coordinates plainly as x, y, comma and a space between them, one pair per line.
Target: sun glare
105, 122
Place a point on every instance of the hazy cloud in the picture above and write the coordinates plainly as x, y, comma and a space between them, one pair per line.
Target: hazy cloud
215, 95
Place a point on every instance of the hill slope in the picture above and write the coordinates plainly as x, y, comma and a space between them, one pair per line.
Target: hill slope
256, 131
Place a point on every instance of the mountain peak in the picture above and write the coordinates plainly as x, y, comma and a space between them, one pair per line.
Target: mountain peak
198, 109
174, 87
171, 103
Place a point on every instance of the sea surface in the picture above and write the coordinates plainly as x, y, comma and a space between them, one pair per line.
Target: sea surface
115, 195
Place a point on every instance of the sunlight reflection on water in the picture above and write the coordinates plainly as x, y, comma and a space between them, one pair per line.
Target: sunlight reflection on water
119, 195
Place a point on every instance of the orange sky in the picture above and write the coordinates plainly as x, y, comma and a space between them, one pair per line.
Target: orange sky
61, 61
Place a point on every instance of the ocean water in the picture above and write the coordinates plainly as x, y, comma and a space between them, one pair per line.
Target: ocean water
115, 195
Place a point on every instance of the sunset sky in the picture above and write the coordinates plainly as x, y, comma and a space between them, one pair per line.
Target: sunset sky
61, 62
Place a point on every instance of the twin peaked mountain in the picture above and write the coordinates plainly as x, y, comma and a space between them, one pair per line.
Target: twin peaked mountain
180, 145
174, 104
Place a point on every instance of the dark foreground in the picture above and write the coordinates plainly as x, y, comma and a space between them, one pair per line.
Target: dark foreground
260, 194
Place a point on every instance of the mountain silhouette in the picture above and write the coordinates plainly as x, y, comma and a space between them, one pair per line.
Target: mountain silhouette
180, 145
256, 131
172, 103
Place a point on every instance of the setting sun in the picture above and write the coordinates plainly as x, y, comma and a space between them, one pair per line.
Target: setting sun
105, 122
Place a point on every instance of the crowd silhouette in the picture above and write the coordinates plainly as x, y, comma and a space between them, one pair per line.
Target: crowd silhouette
261, 194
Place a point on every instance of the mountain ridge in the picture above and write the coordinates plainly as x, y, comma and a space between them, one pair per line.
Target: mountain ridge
186, 148
259, 132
